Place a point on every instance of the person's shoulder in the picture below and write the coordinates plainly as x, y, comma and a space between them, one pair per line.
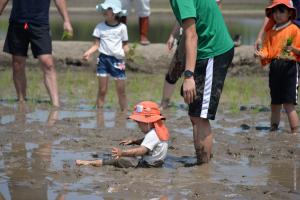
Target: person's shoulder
294, 26
151, 135
122, 25
100, 24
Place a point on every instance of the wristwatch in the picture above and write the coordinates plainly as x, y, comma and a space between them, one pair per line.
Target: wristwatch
188, 74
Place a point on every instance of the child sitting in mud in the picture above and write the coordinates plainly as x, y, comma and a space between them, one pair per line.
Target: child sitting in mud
153, 147
281, 48
111, 40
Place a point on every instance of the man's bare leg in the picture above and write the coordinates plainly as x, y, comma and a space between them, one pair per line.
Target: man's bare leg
50, 78
19, 76
203, 139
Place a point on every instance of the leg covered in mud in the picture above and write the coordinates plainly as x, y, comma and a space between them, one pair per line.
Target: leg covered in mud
292, 117
120, 163
275, 116
95, 163
203, 139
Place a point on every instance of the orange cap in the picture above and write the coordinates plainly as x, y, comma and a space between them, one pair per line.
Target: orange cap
149, 112
287, 3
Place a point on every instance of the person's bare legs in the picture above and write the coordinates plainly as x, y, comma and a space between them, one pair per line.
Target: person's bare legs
19, 76
121, 91
102, 90
168, 90
203, 139
292, 116
275, 116
95, 163
50, 78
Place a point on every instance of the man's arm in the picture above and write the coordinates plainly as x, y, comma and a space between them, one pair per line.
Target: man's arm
62, 9
191, 42
3, 4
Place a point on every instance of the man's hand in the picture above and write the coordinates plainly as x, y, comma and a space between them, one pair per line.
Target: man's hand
116, 153
170, 42
68, 31
189, 90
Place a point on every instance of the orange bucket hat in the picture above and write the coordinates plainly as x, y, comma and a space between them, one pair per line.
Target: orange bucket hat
149, 112
287, 3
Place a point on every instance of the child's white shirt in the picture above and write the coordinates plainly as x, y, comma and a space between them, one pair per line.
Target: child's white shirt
111, 39
157, 149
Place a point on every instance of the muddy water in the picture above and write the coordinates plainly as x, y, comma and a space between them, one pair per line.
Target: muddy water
39, 145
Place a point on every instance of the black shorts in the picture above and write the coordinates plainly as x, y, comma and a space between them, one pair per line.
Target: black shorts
19, 37
209, 77
283, 81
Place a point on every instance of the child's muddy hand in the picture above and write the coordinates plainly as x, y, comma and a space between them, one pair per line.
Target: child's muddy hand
257, 53
116, 153
126, 142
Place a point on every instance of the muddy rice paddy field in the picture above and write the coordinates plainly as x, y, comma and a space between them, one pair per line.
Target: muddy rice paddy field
39, 144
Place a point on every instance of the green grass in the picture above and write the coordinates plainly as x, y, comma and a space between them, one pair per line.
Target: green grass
75, 86
244, 91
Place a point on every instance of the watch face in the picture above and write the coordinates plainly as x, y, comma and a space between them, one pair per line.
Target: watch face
188, 73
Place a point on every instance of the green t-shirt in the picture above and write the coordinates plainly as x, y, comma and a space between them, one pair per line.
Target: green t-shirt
213, 36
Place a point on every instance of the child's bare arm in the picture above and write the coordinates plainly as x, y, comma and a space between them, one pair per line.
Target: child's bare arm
139, 151
131, 142
126, 47
92, 49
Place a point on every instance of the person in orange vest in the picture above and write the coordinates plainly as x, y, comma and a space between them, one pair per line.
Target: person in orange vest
281, 49
152, 147
267, 24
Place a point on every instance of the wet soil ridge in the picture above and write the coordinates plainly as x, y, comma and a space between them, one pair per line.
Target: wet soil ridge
154, 58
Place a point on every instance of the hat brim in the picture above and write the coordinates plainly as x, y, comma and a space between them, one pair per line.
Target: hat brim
104, 6
268, 10
146, 119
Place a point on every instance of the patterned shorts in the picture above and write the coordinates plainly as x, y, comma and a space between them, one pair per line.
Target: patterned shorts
111, 65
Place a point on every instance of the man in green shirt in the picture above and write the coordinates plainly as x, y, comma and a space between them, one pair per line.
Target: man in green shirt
209, 52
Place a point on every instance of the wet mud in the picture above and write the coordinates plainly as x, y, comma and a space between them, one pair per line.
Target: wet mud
38, 147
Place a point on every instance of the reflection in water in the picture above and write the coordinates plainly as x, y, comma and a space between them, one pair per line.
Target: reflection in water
241, 173
286, 174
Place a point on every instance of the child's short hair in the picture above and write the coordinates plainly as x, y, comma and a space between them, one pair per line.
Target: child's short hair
281, 5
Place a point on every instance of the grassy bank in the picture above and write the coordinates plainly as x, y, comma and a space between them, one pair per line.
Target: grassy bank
78, 86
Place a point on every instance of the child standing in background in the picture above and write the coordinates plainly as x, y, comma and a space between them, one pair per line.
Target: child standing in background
281, 48
111, 40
